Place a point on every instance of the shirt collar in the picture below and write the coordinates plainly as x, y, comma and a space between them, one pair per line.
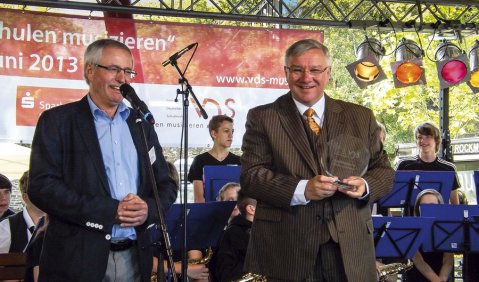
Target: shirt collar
96, 111
318, 108
27, 218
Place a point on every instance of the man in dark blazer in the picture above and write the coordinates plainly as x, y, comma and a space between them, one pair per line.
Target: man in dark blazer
306, 227
89, 173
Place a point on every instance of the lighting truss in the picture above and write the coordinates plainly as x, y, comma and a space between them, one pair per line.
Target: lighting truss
405, 15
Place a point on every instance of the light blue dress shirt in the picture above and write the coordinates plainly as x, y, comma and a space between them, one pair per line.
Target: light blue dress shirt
119, 157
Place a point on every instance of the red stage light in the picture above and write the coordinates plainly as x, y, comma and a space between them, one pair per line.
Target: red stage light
452, 65
454, 71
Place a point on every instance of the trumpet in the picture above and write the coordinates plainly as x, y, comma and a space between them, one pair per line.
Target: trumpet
251, 277
393, 268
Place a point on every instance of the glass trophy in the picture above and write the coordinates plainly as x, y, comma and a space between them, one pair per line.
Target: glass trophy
344, 156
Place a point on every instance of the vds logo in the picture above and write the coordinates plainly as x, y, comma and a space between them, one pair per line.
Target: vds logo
27, 102
222, 109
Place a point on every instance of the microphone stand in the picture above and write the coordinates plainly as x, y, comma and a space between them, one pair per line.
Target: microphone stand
162, 223
186, 89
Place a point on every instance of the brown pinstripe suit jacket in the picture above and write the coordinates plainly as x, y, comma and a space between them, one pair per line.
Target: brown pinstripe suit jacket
276, 155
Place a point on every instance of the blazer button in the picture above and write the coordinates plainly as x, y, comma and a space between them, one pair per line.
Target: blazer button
88, 224
95, 225
100, 227
108, 237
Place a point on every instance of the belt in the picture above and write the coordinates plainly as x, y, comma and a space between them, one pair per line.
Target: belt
121, 245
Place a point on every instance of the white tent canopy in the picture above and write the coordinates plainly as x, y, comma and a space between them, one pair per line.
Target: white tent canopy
14, 160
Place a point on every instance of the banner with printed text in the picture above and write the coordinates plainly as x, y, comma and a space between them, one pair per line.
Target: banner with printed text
232, 69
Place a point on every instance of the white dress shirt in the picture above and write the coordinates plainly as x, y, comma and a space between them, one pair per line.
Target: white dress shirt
6, 237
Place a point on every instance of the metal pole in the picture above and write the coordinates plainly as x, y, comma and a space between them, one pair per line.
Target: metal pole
445, 151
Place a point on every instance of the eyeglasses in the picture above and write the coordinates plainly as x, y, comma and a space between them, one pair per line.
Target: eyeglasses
297, 71
116, 70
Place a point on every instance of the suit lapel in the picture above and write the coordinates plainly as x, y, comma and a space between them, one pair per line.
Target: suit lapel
291, 122
333, 125
87, 131
334, 120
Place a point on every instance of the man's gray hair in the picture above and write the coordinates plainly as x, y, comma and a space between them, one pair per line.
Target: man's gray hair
94, 53
304, 45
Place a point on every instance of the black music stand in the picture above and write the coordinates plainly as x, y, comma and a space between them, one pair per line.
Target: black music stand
399, 237
408, 184
218, 175
455, 229
205, 222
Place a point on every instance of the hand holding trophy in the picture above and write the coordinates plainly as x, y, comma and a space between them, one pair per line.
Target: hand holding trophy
343, 157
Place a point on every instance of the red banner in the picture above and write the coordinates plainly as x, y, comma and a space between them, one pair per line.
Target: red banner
52, 46
41, 67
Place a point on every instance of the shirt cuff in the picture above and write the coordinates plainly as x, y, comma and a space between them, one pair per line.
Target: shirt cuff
298, 197
366, 194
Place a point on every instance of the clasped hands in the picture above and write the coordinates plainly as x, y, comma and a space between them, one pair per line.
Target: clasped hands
132, 211
321, 187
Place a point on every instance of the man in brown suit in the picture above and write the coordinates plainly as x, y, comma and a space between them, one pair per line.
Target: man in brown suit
306, 228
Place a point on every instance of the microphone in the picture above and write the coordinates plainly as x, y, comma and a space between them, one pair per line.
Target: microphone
178, 54
129, 94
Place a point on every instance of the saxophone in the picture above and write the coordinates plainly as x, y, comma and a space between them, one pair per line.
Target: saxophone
202, 260
393, 268
251, 277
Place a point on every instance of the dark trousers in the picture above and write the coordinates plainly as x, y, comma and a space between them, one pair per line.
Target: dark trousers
329, 265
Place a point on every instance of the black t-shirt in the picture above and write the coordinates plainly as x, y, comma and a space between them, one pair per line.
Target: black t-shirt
196, 169
415, 163
229, 256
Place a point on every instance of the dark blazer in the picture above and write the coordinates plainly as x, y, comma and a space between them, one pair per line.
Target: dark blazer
68, 181
276, 155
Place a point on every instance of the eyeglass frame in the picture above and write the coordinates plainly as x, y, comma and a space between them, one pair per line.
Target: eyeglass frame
128, 72
299, 71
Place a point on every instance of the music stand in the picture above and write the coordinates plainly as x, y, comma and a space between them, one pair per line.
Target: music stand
453, 230
218, 175
399, 237
205, 222
408, 184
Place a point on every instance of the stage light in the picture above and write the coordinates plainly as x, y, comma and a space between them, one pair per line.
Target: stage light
366, 70
451, 64
474, 67
407, 69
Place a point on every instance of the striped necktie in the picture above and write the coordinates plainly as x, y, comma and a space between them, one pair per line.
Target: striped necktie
311, 122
